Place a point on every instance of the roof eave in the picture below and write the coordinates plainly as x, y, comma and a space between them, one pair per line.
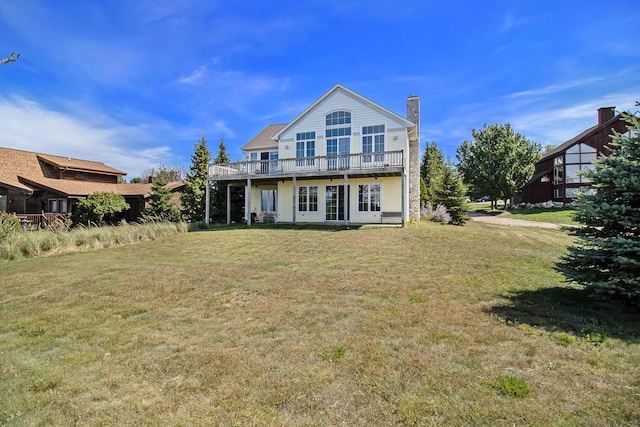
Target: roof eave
356, 95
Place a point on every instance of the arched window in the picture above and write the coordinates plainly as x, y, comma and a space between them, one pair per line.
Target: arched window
338, 137
339, 118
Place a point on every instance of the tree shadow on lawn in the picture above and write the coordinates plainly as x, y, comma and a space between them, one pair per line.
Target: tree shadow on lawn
282, 226
567, 309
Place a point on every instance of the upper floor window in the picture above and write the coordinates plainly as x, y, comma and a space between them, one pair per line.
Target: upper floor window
578, 158
305, 147
339, 118
580, 153
373, 142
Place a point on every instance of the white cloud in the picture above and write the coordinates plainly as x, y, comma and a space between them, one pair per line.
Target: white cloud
552, 89
197, 75
28, 125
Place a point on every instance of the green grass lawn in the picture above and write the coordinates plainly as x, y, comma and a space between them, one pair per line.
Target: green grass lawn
563, 216
424, 325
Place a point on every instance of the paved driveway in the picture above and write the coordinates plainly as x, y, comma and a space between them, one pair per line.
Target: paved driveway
476, 216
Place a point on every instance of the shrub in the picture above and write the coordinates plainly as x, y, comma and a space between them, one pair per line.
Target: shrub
439, 214
9, 224
563, 339
511, 385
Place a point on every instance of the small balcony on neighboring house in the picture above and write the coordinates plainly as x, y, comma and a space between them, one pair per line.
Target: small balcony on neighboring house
387, 163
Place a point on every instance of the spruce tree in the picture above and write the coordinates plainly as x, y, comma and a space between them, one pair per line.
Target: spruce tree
606, 256
160, 205
218, 201
193, 195
450, 192
431, 170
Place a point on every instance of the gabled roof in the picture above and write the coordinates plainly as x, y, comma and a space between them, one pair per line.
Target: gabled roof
582, 135
79, 165
264, 138
336, 88
21, 170
72, 188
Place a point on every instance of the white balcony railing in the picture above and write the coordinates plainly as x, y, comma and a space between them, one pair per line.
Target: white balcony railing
381, 160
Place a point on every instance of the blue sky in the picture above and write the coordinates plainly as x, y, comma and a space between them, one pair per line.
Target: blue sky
137, 83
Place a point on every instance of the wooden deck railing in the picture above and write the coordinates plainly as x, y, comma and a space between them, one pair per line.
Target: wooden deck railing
41, 220
318, 164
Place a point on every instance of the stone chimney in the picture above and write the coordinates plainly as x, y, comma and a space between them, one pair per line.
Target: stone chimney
413, 115
605, 114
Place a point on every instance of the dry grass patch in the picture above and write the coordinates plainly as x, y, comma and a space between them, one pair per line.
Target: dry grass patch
314, 327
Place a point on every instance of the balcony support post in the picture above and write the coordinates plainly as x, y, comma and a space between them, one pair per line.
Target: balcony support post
295, 191
346, 199
247, 212
228, 204
207, 196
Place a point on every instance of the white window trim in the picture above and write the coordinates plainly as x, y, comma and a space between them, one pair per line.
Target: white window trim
369, 204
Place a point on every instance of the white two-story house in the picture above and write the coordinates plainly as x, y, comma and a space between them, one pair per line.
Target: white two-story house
345, 159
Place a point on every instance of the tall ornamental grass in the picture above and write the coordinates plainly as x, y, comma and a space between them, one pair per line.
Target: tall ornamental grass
43, 242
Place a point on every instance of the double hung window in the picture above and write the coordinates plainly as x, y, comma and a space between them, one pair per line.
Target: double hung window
306, 147
308, 199
268, 200
369, 198
373, 142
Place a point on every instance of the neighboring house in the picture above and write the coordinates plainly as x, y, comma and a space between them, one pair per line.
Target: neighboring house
345, 159
557, 175
34, 183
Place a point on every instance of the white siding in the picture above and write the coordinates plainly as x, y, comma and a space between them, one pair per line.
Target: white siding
362, 114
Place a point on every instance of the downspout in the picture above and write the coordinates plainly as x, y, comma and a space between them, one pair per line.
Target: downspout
24, 207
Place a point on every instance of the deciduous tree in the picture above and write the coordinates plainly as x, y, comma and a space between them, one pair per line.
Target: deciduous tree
606, 256
99, 207
498, 162
11, 58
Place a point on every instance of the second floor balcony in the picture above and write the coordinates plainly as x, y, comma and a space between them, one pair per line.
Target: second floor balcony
382, 163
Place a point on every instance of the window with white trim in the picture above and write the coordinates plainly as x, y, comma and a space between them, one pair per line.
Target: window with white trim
305, 147
373, 142
338, 118
308, 198
268, 200
369, 198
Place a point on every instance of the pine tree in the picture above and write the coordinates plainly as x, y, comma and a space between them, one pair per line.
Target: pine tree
218, 200
450, 192
160, 205
193, 195
606, 257
431, 170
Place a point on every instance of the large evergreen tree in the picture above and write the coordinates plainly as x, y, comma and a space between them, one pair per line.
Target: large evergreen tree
218, 200
431, 169
606, 256
498, 162
160, 205
193, 195
449, 191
